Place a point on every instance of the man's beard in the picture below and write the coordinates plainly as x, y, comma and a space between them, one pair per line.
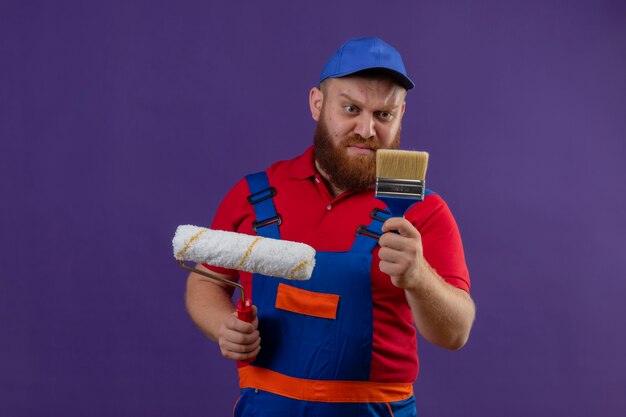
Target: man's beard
353, 173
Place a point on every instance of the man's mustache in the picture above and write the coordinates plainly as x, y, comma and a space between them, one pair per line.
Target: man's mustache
359, 140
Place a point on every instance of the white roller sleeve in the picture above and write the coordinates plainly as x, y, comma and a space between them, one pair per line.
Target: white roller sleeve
256, 254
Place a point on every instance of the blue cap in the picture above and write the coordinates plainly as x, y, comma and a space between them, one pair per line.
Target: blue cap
363, 54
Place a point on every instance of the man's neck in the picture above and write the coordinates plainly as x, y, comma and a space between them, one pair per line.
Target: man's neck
332, 188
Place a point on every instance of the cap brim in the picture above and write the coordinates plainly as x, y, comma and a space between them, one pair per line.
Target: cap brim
400, 78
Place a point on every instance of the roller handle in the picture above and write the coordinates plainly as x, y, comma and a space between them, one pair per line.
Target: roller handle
244, 313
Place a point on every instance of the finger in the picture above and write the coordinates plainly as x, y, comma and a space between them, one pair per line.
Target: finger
390, 255
241, 356
240, 351
233, 347
401, 225
238, 338
393, 241
233, 323
391, 269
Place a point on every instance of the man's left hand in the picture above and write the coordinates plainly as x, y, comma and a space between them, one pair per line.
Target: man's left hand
401, 253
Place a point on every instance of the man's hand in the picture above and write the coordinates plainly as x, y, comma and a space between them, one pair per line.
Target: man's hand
239, 340
443, 314
401, 254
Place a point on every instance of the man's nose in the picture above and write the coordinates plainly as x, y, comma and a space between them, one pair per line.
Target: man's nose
365, 126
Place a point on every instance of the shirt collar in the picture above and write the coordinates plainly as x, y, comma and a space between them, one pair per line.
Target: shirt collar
303, 166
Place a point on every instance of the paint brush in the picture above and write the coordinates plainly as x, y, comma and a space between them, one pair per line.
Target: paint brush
400, 178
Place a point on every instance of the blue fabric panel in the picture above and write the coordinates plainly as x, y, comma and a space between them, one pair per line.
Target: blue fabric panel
305, 346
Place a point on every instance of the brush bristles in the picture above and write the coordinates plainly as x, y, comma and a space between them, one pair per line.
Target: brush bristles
409, 165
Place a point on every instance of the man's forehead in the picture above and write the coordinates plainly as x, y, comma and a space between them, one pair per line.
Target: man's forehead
380, 89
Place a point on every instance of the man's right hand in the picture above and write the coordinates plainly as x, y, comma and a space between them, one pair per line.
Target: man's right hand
239, 340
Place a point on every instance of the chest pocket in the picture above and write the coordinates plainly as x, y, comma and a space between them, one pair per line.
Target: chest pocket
305, 302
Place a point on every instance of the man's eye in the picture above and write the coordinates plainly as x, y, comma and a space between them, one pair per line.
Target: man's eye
385, 115
351, 109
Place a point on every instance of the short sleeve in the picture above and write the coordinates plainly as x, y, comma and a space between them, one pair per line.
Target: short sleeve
441, 240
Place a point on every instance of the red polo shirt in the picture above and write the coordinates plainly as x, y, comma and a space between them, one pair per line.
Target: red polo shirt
312, 216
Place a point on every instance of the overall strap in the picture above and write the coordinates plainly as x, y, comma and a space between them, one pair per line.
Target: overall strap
367, 236
261, 198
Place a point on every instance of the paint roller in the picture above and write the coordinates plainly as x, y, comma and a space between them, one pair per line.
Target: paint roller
254, 254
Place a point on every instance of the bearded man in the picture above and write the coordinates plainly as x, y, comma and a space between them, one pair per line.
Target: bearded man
344, 342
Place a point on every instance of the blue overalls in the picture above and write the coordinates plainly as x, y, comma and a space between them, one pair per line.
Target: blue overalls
319, 330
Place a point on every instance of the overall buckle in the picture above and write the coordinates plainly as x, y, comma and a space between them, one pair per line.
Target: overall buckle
375, 214
362, 230
261, 195
269, 221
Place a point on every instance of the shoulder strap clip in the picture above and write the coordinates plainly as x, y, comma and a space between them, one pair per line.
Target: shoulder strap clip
261, 195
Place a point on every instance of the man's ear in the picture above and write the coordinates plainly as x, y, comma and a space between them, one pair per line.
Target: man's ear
316, 99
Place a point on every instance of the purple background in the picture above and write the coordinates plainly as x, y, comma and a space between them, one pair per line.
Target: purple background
121, 120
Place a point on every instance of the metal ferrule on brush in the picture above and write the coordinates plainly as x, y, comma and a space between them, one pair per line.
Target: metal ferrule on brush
400, 188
